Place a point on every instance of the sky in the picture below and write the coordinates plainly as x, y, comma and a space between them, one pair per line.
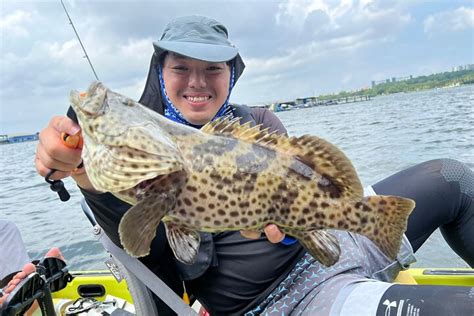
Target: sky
291, 48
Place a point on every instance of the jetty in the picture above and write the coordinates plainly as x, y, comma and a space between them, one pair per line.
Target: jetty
18, 138
314, 101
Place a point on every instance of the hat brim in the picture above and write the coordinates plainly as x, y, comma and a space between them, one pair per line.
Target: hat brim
201, 51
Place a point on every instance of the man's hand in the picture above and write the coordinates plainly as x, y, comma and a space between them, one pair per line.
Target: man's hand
53, 153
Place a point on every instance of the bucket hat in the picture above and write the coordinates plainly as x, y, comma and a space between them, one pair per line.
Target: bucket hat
201, 38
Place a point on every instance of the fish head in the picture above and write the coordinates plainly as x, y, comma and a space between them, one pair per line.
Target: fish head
125, 143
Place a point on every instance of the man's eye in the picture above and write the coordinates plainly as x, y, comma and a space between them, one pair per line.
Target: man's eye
179, 68
214, 68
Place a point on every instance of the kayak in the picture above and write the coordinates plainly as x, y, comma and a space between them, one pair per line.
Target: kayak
99, 292
102, 284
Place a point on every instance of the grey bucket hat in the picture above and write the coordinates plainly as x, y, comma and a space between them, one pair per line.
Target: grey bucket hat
197, 37
201, 38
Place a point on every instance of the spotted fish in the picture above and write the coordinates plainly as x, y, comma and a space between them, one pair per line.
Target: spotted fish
226, 176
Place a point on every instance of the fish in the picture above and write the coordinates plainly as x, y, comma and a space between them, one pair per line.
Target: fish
226, 176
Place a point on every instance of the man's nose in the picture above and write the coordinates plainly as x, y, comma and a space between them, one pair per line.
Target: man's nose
197, 79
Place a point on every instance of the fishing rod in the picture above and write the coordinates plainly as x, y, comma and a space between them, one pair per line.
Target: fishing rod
80, 42
58, 185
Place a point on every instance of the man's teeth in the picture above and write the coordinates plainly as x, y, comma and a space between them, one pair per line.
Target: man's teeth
197, 99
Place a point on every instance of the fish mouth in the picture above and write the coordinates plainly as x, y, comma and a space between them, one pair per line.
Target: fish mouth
91, 103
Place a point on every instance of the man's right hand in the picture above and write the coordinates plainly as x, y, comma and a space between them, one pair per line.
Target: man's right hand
52, 153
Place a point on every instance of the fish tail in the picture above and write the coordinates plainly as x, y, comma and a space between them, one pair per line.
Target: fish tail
386, 222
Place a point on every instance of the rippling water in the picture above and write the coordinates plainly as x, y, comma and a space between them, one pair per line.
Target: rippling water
380, 136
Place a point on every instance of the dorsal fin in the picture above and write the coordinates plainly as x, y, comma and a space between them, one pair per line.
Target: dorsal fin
317, 153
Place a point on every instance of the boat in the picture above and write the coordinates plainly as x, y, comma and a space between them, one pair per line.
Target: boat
100, 290
102, 285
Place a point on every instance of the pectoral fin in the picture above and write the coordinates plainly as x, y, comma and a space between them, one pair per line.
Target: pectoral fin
322, 245
183, 242
138, 226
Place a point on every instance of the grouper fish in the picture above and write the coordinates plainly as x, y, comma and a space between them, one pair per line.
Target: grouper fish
223, 177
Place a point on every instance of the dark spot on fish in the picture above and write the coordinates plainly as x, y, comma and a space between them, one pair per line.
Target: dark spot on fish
233, 203
306, 210
301, 222
313, 204
249, 186
211, 206
200, 209
244, 220
324, 205
376, 231
191, 188
219, 186
212, 193
254, 200
234, 214
217, 223
203, 181
182, 211
238, 176
258, 211
187, 201
382, 202
207, 219
250, 213
222, 197
363, 220
221, 212
202, 196
332, 216
244, 204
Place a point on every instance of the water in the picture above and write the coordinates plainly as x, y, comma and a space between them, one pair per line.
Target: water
380, 136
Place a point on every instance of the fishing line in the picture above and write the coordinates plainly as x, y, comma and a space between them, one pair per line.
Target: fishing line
58, 185
80, 42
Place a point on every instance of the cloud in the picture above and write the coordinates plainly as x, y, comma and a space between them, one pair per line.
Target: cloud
456, 20
15, 24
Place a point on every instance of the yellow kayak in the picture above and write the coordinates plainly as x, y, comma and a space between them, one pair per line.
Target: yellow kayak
99, 284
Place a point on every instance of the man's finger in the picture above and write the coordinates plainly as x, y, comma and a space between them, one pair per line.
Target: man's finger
64, 124
273, 233
250, 234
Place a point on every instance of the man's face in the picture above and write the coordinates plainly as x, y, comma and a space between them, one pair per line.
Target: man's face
197, 88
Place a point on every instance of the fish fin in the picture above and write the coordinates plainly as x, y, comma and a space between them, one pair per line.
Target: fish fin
384, 221
322, 245
338, 173
184, 243
138, 226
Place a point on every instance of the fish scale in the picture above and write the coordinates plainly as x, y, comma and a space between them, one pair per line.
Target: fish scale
224, 177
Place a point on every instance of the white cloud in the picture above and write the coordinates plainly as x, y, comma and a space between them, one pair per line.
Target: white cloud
449, 21
14, 24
